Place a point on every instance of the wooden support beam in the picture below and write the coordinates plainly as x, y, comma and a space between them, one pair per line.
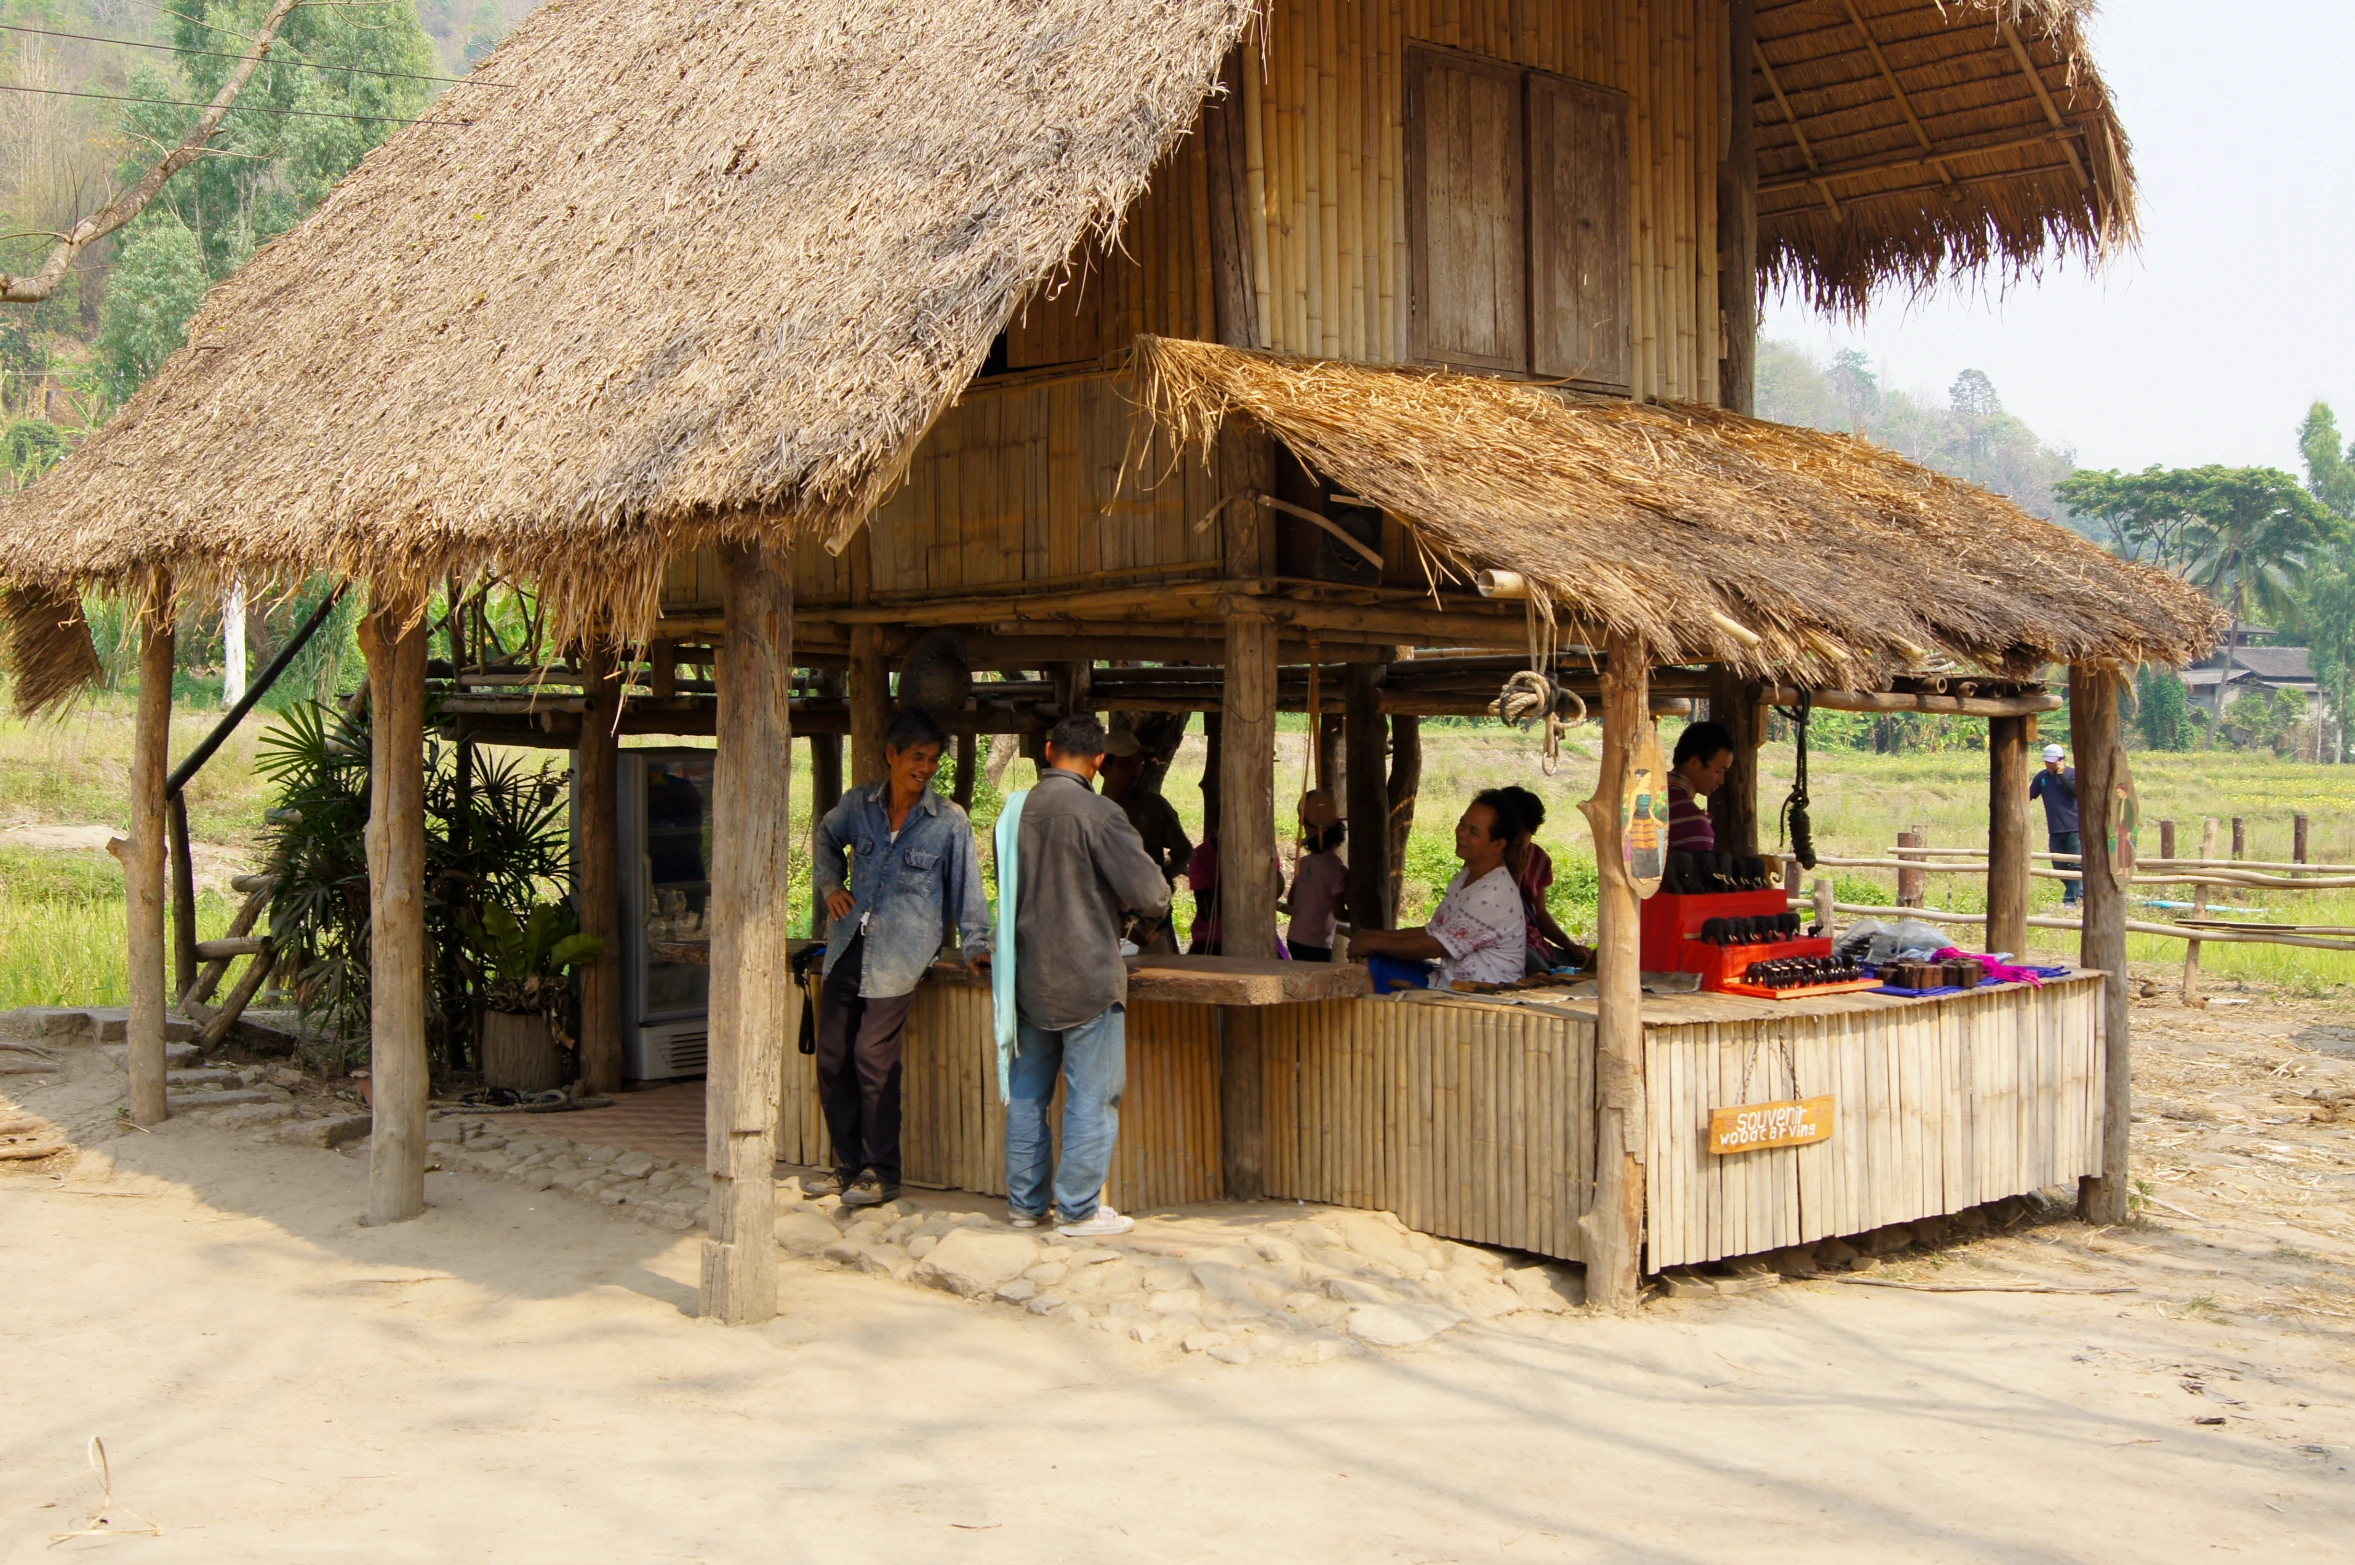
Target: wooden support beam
393, 636
1733, 808
1247, 872
2010, 740
1406, 780
1225, 147
2093, 734
870, 704
1242, 1103
183, 870
596, 869
1920, 701
968, 759
754, 1001
1737, 219
1614, 1222
1365, 737
825, 789
143, 861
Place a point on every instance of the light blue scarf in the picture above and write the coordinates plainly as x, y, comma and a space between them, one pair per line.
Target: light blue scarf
1001, 963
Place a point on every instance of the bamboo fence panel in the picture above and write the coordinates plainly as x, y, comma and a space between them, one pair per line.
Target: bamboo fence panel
1941, 1105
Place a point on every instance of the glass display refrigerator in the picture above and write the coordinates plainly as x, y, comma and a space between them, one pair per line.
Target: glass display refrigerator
664, 798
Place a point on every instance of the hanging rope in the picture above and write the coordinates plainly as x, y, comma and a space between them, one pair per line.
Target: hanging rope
1797, 829
1531, 694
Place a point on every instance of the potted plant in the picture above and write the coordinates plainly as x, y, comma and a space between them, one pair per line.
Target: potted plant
527, 990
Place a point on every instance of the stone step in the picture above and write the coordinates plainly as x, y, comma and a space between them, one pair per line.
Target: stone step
213, 1077
190, 1102
174, 1054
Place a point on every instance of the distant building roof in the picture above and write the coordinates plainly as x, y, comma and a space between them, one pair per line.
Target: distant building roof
2272, 664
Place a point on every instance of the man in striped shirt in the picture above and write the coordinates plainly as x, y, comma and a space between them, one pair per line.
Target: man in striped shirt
1704, 754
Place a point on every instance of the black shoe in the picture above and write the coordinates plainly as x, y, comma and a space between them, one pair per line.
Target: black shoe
816, 1185
869, 1190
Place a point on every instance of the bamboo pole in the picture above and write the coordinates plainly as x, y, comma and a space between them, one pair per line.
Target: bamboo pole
2093, 724
596, 869
143, 856
1613, 1225
754, 1003
393, 636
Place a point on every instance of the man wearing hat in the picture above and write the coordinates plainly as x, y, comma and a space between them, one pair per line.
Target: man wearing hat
1155, 819
2056, 785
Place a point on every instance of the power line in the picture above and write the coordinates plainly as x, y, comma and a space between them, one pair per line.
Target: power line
185, 103
220, 54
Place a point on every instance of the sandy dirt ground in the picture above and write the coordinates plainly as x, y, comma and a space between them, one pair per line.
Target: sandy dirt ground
518, 1376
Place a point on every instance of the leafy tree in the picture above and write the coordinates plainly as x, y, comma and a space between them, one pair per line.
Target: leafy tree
2162, 709
2330, 473
30, 447
159, 280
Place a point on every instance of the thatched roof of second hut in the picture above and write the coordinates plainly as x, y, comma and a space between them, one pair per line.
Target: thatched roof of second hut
693, 261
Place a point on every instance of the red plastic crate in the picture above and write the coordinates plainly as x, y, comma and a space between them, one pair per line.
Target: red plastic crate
1670, 920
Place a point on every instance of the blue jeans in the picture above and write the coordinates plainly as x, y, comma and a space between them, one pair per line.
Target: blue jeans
2069, 842
1092, 1058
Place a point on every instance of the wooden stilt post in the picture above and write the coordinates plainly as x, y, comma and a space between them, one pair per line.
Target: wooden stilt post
825, 788
1911, 883
754, 1001
870, 704
2093, 733
393, 635
968, 757
596, 873
1247, 785
143, 858
2008, 742
183, 871
1406, 780
1366, 737
1733, 808
1737, 219
1613, 1224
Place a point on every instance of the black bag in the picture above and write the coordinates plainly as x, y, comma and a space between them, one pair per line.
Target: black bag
809, 966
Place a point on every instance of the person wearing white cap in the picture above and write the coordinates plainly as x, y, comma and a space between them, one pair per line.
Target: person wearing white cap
2056, 785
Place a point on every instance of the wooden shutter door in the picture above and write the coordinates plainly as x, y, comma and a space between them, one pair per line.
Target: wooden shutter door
1580, 327
1467, 220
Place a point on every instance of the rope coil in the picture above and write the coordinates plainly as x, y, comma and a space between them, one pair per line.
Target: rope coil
1797, 829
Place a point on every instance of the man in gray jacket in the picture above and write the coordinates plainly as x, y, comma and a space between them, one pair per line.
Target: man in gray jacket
1082, 867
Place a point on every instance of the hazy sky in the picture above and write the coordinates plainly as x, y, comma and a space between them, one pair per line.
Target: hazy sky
2238, 310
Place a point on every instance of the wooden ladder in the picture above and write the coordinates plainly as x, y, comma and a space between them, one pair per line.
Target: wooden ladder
217, 956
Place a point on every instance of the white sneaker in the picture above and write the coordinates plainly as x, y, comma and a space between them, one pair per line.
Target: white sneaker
1023, 1219
1103, 1225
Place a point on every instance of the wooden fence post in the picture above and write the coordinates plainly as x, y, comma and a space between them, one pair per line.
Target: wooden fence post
393, 636
1911, 883
143, 857
2093, 723
754, 1001
2008, 742
596, 873
2240, 838
1614, 1223
2298, 838
2199, 909
2166, 839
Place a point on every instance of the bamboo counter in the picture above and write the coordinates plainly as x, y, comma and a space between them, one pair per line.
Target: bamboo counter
1471, 1117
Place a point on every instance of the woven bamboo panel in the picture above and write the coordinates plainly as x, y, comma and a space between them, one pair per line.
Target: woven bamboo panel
1474, 1122
953, 1129
691, 580
1940, 1106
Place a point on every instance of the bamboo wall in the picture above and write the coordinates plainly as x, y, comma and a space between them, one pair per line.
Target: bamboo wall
1325, 116
1940, 1106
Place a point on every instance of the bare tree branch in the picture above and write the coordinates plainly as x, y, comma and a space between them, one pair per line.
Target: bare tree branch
37, 286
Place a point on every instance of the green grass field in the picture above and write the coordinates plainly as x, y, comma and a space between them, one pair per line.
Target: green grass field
61, 913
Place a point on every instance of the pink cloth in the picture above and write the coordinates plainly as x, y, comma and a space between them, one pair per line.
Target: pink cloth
1997, 972
1316, 899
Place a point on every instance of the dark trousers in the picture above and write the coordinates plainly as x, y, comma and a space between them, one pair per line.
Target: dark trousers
858, 1067
2069, 842
1302, 953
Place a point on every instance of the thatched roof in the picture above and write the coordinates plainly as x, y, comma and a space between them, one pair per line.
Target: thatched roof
1840, 559
704, 266
1909, 140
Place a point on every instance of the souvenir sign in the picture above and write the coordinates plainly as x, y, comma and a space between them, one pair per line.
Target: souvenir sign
2125, 820
1643, 814
1753, 1127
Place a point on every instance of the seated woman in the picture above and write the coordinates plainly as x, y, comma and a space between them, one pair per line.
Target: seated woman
1704, 754
1476, 935
1550, 946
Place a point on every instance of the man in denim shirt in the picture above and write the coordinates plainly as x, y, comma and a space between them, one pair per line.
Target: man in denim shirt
913, 878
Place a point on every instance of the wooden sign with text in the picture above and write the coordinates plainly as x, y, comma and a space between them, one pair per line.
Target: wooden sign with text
1752, 1127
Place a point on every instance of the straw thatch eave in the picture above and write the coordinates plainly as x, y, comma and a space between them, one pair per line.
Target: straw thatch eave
1978, 137
697, 270
1709, 536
